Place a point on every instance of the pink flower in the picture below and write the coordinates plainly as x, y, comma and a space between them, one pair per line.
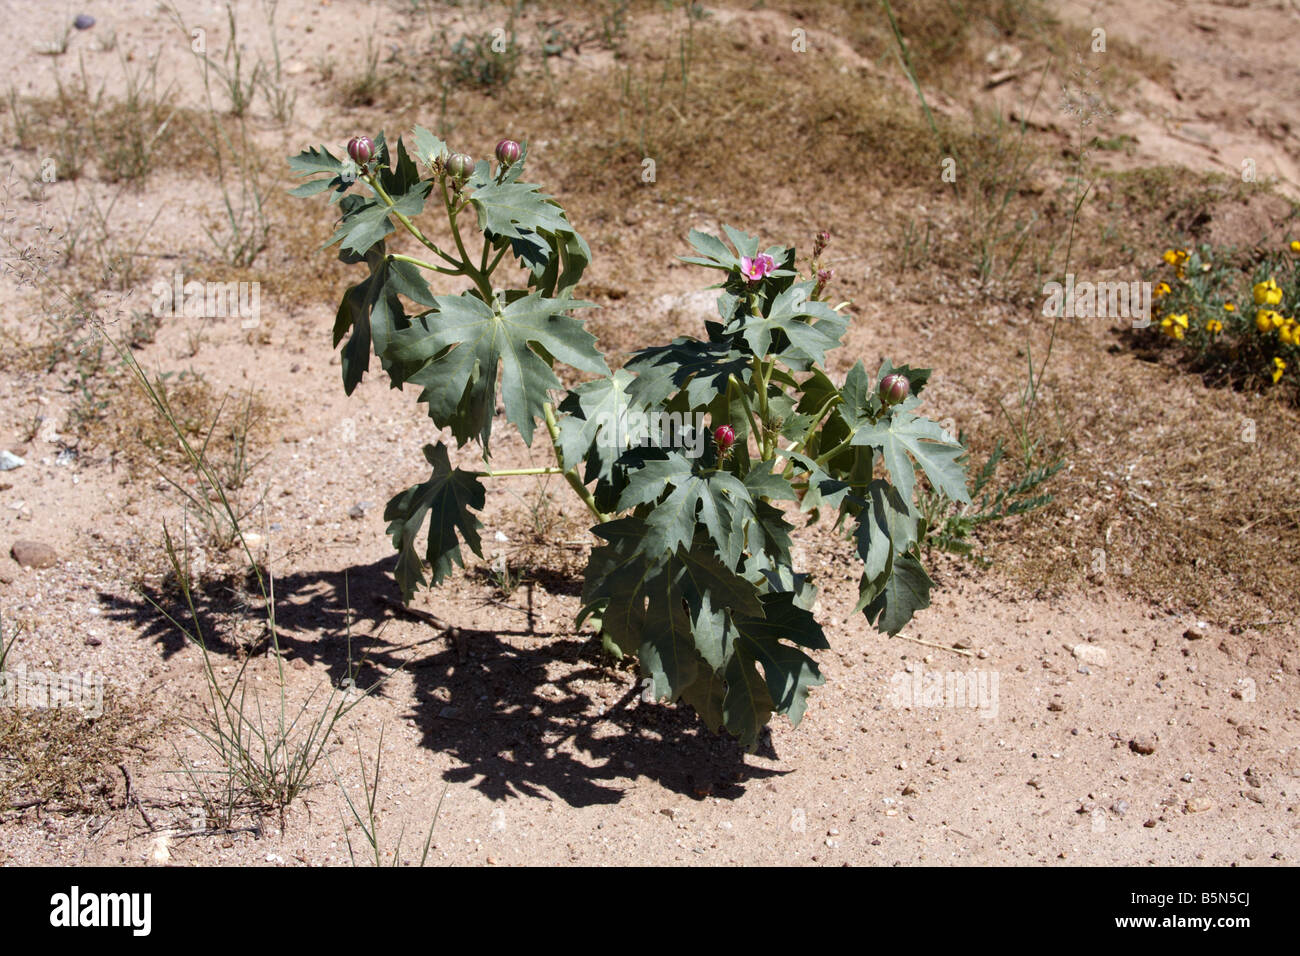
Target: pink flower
757, 268
724, 436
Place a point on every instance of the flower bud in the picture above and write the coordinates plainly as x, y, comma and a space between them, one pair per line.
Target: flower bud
724, 436
460, 166
821, 242
361, 149
508, 152
894, 388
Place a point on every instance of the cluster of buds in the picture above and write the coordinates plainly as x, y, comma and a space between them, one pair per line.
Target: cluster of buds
459, 166
823, 276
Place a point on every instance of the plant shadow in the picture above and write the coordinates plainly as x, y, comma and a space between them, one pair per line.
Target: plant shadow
513, 708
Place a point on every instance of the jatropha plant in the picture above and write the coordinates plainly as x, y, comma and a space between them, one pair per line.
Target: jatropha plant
681, 456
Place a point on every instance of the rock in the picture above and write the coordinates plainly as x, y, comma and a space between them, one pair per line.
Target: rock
1253, 778
34, 554
1056, 707
9, 461
252, 541
1145, 745
1091, 654
1036, 783
1196, 633
84, 21
92, 641
358, 510
1254, 795
1119, 807
1199, 804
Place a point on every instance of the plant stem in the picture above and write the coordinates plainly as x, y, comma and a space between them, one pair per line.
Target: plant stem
571, 476
744, 400
425, 265
520, 472
479, 278
373, 183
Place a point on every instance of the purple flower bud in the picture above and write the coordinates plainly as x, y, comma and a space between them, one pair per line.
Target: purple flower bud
724, 436
894, 388
460, 165
508, 152
821, 242
361, 149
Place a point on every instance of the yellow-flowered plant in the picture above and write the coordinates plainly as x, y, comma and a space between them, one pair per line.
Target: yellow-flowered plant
1197, 306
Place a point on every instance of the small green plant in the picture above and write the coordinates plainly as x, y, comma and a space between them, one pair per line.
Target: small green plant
683, 457
264, 755
366, 815
279, 96
946, 525
486, 62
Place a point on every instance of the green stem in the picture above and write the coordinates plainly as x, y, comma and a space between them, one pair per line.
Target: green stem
373, 183
744, 400
425, 265
827, 456
520, 472
479, 278
571, 476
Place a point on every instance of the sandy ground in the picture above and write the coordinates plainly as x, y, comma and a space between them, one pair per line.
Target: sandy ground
1108, 730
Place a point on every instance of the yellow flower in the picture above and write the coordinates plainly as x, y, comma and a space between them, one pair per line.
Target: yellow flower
1175, 257
1287, 335
1174, 326
1229, 307
1214, 326
1278, 368
1266, 320
1162, 288
1268, 292
1295, 246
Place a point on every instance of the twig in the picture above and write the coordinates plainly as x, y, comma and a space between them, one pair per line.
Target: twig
133, 797
942, 647
419, 615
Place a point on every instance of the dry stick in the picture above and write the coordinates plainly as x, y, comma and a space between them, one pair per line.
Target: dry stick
941, 647
133, 797
419, 615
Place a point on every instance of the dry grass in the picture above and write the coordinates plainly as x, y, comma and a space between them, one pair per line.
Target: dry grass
61, 761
